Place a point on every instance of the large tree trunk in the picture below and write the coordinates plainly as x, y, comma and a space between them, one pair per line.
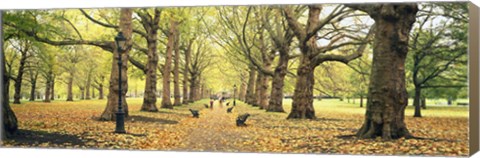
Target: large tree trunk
416, 102
32, 90
193, 88
87, 86
302, 105
250, 96
82, 92
387, 94
424, 103
176, 73
185, 89
263, 101
166, 102
186, 70
198, 89
243, 90
276, 96
93, 93
18, 81
52, 89
112, 102
70, 88
150, 94
361, 101
9, 125
48, 84
100, 91
258, 89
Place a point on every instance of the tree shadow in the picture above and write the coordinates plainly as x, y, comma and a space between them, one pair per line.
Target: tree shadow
136, 118
29, 137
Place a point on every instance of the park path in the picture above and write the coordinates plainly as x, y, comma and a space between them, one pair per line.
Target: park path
215, 130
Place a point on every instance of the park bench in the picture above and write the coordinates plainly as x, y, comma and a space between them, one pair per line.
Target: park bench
194, 113
229, 110
241, 119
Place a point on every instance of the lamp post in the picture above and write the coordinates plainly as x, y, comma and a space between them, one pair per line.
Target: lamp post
234, 91
120, 41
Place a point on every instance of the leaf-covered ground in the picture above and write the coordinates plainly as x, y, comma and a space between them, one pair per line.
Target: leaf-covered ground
74, 125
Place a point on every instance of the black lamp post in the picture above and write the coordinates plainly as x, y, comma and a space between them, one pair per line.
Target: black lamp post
234, 91
120, 41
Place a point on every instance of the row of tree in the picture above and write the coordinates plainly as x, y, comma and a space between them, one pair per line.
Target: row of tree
267, 47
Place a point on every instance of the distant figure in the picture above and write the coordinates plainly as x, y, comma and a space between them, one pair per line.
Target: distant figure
211, 103
206, 105
221, 101
228, 103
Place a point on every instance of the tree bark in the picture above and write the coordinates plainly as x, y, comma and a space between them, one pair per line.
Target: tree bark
276, 96
82, 92
52, 89
70, 88
186, 69
9, 125
112, 102
302, 105
250, 94
243, 91
150, 94
18, 80
100, 91
93, 93
361, 101
48, 86
32, 90
263, 103
166, 102
258, 89
387, 94
416, 102
176, 72
87, 86
424, 103
193, 88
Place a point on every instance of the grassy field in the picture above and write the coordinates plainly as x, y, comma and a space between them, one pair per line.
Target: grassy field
74, 125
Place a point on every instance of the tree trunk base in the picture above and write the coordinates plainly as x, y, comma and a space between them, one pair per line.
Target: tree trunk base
300, 115
371, 130
149, 108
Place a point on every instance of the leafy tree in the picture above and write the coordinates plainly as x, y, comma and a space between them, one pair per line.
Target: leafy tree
437, 48
313, 54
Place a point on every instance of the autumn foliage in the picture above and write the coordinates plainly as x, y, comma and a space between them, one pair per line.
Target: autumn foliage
75, 125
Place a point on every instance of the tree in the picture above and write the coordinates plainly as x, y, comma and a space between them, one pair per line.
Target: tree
112, 102
151, 26
23, 47
200, 61
387, 93
166, 102
9, 125
313, 55
436, 50
71, 56
176, 71
27, 24
282, 39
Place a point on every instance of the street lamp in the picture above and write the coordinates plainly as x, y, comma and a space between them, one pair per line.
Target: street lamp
120, 41
234, 90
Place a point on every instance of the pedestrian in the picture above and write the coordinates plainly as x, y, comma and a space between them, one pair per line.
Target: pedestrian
211, 103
